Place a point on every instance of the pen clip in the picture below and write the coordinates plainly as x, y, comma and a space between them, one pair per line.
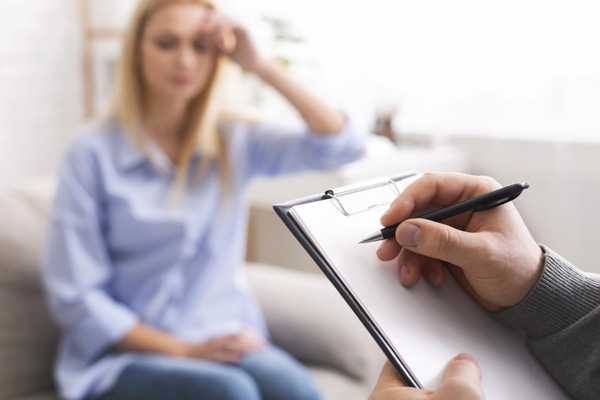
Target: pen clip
498, 203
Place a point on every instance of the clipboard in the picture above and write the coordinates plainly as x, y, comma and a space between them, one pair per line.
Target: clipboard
549, 388
282, 211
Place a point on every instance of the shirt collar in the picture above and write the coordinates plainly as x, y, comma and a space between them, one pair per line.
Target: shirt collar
159, 159
131, 156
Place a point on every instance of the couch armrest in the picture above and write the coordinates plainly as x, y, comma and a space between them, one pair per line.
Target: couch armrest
308, 318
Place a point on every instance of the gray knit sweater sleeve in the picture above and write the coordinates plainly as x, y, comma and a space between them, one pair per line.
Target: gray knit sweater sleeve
561, 317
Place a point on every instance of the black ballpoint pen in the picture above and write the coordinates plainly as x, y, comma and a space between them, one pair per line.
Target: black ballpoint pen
480, 203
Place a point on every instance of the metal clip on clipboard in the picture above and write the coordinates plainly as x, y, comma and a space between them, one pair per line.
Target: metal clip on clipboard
335, 194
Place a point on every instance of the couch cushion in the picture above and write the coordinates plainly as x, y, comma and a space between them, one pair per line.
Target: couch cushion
27, 336
49, 394
336, 386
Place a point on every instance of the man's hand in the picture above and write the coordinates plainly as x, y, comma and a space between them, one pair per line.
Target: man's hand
461, 382
491, 253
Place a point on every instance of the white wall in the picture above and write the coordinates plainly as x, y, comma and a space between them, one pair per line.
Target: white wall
561, 208
41, 100
518, 68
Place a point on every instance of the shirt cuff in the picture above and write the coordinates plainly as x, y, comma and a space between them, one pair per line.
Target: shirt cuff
104, 324
345, 146
562, 296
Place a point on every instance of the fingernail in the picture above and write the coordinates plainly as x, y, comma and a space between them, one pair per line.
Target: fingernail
466, 356
409, 235
404, 271
382, 245
432, 277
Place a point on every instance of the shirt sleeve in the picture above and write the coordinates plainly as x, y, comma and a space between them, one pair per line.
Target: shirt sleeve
76, 267
273, 150
561, 317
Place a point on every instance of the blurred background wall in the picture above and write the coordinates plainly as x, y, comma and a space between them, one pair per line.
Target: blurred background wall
513, 85
40, 85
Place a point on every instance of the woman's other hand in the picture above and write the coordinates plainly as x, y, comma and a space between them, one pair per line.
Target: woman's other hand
233, 39
491, 253
461, 382
227, 349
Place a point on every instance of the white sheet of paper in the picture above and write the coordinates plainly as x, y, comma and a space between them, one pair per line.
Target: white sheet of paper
426, 326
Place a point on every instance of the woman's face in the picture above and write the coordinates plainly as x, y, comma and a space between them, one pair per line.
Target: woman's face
176, 57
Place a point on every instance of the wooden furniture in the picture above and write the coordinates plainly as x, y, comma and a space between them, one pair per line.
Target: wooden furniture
91, 34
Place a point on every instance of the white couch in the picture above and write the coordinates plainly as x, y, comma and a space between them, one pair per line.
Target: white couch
304, 313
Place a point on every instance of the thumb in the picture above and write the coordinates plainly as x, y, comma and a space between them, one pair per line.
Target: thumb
464, 366
463, 376
439, 241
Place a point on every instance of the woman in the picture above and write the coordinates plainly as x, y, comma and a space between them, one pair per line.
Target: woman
147, 286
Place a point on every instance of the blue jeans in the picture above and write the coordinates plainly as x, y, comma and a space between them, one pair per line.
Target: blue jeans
269, 374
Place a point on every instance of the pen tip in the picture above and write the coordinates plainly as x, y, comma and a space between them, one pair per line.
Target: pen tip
525, 185
361, 242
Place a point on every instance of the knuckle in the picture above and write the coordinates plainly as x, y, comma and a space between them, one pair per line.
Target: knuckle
428, 179
396, 204
445, 241
485, 250
489, 183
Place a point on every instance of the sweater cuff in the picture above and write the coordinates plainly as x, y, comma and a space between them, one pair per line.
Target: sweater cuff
562, 296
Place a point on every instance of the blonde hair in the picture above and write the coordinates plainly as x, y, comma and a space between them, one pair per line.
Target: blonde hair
128, 107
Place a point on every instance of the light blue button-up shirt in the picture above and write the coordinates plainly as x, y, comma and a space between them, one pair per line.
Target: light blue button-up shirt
120, 251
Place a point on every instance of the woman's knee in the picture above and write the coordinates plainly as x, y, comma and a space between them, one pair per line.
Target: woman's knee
221, 382
235, 385
280, 376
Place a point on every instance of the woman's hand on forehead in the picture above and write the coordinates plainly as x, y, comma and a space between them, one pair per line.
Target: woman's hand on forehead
232, 39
